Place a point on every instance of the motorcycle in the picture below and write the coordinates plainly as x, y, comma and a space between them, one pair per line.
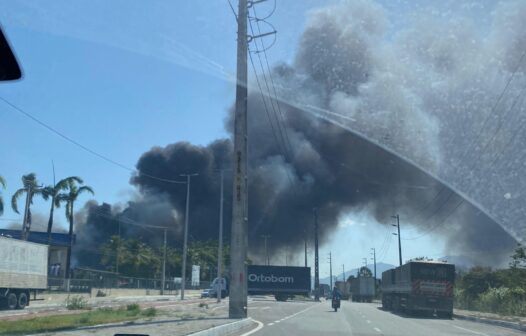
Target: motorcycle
335, 303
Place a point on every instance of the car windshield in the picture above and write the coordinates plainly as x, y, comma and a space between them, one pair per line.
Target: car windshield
184, 164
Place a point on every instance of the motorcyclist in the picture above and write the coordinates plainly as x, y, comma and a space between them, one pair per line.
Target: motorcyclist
336, 294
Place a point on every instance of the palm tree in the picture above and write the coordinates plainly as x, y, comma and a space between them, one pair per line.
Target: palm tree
2, 184
30, 188
70, 197
52, 192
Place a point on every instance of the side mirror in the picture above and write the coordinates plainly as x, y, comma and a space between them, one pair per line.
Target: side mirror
9, 68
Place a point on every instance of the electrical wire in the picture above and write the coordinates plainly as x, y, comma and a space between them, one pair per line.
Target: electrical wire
76, 143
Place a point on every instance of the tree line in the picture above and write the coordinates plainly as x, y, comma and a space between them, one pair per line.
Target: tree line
65, 192
501, 291
135, 258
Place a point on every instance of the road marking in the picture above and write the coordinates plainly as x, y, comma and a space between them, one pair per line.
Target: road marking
260, 325
471, 331
278, 321
271, 323
378, 330
265, 308
368, 321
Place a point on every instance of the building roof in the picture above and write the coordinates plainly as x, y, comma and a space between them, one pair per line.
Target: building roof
57, 239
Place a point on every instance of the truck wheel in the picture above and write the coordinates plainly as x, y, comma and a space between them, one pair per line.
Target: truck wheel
12, 301
22, 301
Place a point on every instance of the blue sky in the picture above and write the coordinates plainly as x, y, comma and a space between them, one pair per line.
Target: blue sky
123, 76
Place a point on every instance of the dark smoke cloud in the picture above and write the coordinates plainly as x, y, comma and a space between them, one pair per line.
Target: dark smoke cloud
408, 95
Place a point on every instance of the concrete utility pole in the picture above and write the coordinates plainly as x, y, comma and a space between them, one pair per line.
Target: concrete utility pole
237, 307
316, 260
343, 269
399, 240
305, 251
266, 237
163, 278
220, 244
374, 260
330, 267
185, 241
27, 218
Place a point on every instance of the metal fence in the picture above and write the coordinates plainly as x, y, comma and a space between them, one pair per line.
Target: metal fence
85, 285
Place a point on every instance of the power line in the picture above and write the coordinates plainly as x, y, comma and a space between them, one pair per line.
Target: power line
440, 224
76, 143
484, 123
276, 99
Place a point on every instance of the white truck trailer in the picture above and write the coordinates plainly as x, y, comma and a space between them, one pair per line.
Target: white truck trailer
23, 268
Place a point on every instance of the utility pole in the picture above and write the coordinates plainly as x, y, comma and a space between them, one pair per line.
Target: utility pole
185, 239
374, 260
27, 216
343, 269
316, 259
118, 247
399, 240
265, 237
220, 244
305, 251
237, 307
163, 278
330, 267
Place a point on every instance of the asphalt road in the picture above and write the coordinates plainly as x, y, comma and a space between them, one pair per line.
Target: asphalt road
318, 319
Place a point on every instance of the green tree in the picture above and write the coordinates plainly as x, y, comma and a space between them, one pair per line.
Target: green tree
52, 192
69, 197
518, 259
30, 188
365, 272
3, 185
136, 259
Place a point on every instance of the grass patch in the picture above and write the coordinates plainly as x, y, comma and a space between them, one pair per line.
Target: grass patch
63, 322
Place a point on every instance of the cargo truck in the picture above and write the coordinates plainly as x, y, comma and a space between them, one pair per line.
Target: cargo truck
283, 282
345, 289
362, 289
23, 268
419, 286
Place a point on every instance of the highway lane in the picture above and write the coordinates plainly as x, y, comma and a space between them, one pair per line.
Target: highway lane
307, 318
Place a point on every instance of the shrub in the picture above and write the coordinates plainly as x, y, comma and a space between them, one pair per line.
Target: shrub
76, 302
100, 293
150, 312
133, 307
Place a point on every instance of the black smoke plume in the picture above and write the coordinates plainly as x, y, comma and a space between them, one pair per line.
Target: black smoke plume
343, 65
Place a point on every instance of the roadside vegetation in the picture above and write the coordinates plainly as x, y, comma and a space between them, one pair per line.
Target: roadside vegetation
69, 321
501, 291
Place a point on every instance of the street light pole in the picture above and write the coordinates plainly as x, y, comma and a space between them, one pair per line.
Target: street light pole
399, 240
265, 237
163, 278
316, 259
374, 260
185, 239
330, 267
220, 244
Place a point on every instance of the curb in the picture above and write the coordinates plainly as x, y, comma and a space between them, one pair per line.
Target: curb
505, 324
226, 329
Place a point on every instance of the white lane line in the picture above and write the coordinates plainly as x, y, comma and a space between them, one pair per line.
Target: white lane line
368, 321
265, 308
260, 325
271, 323
471, 331
278, 321
378, 330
